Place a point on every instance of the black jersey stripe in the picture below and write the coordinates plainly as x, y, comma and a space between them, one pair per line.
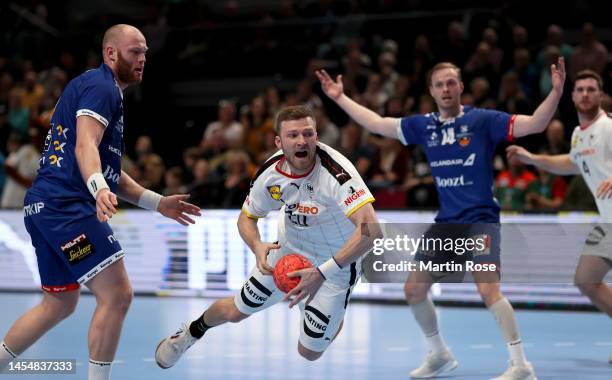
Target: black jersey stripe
333, 167
266, 165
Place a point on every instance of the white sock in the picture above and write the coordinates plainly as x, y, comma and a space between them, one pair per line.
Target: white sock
504, 315
6, 355
99, 370
517, 354
436, 343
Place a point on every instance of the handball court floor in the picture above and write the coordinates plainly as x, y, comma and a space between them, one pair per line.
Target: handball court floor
378, 342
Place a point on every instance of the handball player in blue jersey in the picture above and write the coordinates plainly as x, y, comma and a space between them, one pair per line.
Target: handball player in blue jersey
66, 211
459, 142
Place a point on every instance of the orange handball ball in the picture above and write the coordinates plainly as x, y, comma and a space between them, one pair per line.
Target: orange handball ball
287, 264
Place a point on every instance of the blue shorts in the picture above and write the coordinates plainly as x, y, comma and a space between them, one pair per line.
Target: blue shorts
71, 248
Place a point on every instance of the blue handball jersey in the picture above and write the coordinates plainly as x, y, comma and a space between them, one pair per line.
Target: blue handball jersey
460, 153
94, 93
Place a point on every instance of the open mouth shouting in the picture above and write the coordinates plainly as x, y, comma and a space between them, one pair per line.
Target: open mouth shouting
301, 154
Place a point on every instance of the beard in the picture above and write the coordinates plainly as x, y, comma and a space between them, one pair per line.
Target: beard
587, 109
125, 72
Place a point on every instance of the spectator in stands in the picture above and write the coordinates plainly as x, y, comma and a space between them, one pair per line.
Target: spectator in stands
190, 156
205, 189
327, 131
306, 96
455, 48
256, 122
423, 59
481, 64
511, 185
233, 131
352, 148
236, 181
546, 192
20, 166
512, 98
589, 54
143, 149
554, 38
173, 179
480, 89
153, 173
273, 100
32, 93
526, 72
489, 35
555, 138
18, 114
388, 74
390, 165
374, 95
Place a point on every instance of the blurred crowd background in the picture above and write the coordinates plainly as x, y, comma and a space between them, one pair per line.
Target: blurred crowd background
217, 71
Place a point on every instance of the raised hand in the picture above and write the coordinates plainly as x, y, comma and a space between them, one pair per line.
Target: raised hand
557, 75
332, 89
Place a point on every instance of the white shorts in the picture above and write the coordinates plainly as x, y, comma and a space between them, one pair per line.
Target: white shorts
599, 242
320, 319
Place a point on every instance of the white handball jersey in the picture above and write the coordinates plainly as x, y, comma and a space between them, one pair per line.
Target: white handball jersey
314, 208
592, 152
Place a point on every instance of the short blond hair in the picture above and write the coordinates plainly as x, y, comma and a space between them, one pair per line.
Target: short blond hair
442, 66
292, 113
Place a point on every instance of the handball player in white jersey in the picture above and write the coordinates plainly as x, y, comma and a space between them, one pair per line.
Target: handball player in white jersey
590, 156
326, 214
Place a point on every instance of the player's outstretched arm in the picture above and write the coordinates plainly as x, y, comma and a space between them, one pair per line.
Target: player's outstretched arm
559, 164
536, 123
370, 120
89, 134
173, 206
361, 241
250, 234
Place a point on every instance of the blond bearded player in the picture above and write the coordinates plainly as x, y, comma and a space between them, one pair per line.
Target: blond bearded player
323, 203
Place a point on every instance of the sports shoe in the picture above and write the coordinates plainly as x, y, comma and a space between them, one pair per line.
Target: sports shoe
518, 372
436, 363
170, 349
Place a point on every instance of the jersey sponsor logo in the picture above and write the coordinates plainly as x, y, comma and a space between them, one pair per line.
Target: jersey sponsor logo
109, 173
55, 160
355, 194
33, 208
452, 181
469, 161
430, 126
77, 249
275, 192
119, 124
433, 139
117, 151
585, 152
111, 238
57, 146
448, 136
303, 209
315, 322
48, 140
465, 141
